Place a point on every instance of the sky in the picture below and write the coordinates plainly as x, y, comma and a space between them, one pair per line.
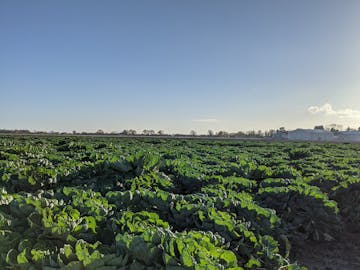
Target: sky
179, 65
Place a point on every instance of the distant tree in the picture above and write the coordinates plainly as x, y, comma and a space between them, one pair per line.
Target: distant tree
21, 131
192, 133
239, 134
348, 129
74, 132
321, 127
269, 133
160, 132
358, 128
100, 131
148, 132
222, 133
128, 132
210, 132
251, 133
282, 129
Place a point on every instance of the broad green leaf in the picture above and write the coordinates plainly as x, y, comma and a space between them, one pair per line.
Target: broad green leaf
21, 258
186, 259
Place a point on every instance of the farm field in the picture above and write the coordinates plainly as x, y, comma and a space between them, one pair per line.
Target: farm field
124, 203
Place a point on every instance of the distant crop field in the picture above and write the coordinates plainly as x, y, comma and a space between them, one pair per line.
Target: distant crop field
136, 203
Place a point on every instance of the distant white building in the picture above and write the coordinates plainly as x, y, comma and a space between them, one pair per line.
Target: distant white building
318, 135
311, 135
280, 135
349, 136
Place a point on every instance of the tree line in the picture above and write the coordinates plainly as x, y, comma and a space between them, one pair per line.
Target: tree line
149, 132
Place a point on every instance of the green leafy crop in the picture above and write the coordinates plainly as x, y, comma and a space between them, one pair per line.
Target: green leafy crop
121, 204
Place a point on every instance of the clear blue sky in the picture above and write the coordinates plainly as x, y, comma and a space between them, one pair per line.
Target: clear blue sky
178, 65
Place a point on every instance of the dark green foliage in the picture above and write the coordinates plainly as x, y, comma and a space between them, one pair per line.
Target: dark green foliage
110, 204
347, 194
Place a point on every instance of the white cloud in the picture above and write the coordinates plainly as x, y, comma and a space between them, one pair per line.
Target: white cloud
207, 120
327, 109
